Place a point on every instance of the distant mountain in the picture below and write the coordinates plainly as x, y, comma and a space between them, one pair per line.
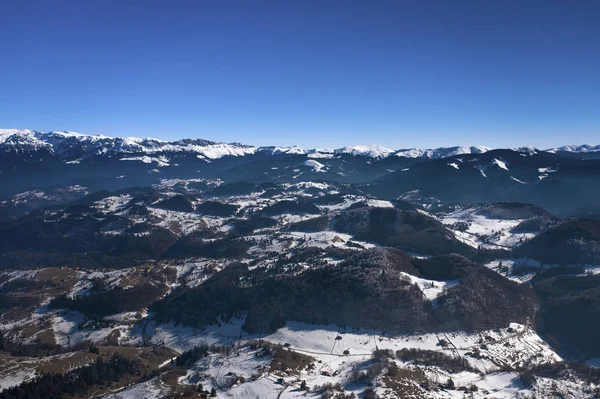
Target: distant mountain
443, 152
562, 180
575, 148
71, 144
372, 151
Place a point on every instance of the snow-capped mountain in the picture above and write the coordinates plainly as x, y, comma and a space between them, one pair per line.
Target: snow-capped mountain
34, 160
82, 145
443, 152
372, 151
575, 148
71, 144
21, 142
74, 145
528, 149
276, 150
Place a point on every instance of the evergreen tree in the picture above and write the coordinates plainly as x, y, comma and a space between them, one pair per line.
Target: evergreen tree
450, 384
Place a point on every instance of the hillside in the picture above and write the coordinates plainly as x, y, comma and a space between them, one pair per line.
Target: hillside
571, 242
408, 230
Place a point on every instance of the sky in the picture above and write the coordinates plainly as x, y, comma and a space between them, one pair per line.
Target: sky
313, 73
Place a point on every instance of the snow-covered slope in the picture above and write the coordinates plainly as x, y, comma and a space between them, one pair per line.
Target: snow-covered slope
575, 148
443, 152
21, 141
373, 151
276, 150
77, 145
84, 145
528, 149
6, 133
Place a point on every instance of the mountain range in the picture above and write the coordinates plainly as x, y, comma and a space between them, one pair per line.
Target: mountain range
563, 180
70, 144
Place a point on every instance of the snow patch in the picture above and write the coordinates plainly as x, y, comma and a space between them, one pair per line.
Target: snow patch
517, 180
316, 166
500, 164
161, 161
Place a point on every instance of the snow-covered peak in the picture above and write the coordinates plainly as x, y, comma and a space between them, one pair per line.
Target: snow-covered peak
277, 150
80, 136
575, 148
20, 141
9, 132
528, 149
289, 150
413, 153
478, 149
321, 153
75, 145
219, 150
442, 152
372, 151
323, 150
5, 134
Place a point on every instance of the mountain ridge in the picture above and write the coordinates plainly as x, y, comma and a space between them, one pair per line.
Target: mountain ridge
73, 143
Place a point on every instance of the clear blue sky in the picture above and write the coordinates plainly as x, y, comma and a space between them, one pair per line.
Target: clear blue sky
313, 73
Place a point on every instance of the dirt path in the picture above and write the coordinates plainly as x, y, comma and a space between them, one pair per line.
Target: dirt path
281, 392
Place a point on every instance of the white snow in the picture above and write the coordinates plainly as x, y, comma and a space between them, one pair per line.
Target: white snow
379, 203
219, 150
152, 389
484, 231
372, 151
527, 150
431, 289
160, 161
316, 166
5, 134
17, 374
514, 346
575, 148
500, 164
321, 153
113, 203
263, 388
182, 338
443, 152
511, 346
